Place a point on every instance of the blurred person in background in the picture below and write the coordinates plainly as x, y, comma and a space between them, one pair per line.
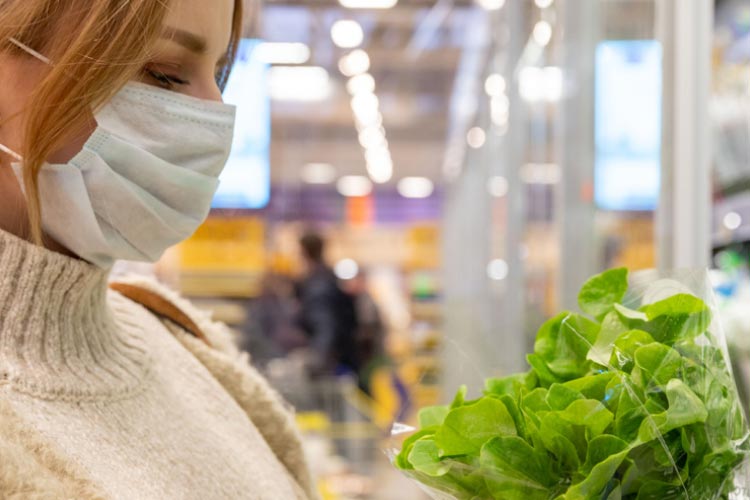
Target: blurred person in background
113, 135
370, 335
327, 314
378, 376
270, 330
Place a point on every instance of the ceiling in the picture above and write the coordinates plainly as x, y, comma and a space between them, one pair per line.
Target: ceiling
418, 50
414, 58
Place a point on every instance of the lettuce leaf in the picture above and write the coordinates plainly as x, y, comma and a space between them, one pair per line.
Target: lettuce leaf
619, 404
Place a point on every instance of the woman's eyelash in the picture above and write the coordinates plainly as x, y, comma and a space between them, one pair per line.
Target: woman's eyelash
165, 78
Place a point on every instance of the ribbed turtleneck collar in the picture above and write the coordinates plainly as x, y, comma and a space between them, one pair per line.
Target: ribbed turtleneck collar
58, 336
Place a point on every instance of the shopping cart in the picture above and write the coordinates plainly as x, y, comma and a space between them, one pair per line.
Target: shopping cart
344, 429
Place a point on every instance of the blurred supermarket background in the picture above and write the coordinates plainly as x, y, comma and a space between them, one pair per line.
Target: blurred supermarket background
467, 163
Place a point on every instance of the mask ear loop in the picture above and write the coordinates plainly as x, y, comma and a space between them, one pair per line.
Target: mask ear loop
29, 50
10, 152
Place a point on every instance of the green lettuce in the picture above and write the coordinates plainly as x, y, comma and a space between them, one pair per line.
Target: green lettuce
619, 404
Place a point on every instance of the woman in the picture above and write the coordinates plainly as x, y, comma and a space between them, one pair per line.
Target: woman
113, 136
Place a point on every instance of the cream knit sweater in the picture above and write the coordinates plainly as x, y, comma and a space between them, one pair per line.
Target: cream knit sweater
122, 400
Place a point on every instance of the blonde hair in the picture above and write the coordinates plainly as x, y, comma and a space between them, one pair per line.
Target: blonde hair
97, 47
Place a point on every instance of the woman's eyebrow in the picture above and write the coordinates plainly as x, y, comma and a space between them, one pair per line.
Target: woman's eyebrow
191, 41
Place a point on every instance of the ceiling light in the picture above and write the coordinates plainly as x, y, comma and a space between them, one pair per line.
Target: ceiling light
491, 4
542, 33
543, 4
354, 186
365, 102
373, 121
553, 83
381, 173
732, 221
368, 4
346, 269
416, 187
355, 63
347, 33
531, 84
495, 85
366, 108
379, 164
299, 83
283, 53
377, 154
372, 137
498, 270
502, 102
476, 137
318, 173
498, 186
361, 84
367, 116
499, 110
537, 84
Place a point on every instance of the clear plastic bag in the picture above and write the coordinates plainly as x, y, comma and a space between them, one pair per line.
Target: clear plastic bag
632, 399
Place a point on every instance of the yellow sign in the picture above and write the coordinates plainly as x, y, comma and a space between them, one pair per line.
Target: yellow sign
225, 257
423, 247
225, 244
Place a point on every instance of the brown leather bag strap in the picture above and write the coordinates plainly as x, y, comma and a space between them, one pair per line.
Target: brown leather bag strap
160, 307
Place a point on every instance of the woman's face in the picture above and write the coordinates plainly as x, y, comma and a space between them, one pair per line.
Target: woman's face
185, 60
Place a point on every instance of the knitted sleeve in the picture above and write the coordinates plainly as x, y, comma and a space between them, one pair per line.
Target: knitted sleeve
30, 467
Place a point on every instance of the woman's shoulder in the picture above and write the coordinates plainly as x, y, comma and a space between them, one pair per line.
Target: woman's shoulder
219, 355
30, 467
134, 292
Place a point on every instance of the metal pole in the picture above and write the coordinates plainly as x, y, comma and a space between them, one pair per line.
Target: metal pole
468, 354
513, 333
684, 213
579, 258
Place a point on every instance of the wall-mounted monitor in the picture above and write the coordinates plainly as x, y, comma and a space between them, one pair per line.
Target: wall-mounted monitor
628, 124
246, 180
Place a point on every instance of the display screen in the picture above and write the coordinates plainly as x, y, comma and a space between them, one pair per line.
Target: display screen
246, 180
628, 121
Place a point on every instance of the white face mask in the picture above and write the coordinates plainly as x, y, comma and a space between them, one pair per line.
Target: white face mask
144, 180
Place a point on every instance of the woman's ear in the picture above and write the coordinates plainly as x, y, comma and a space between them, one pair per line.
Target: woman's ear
10, 125
19, 77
